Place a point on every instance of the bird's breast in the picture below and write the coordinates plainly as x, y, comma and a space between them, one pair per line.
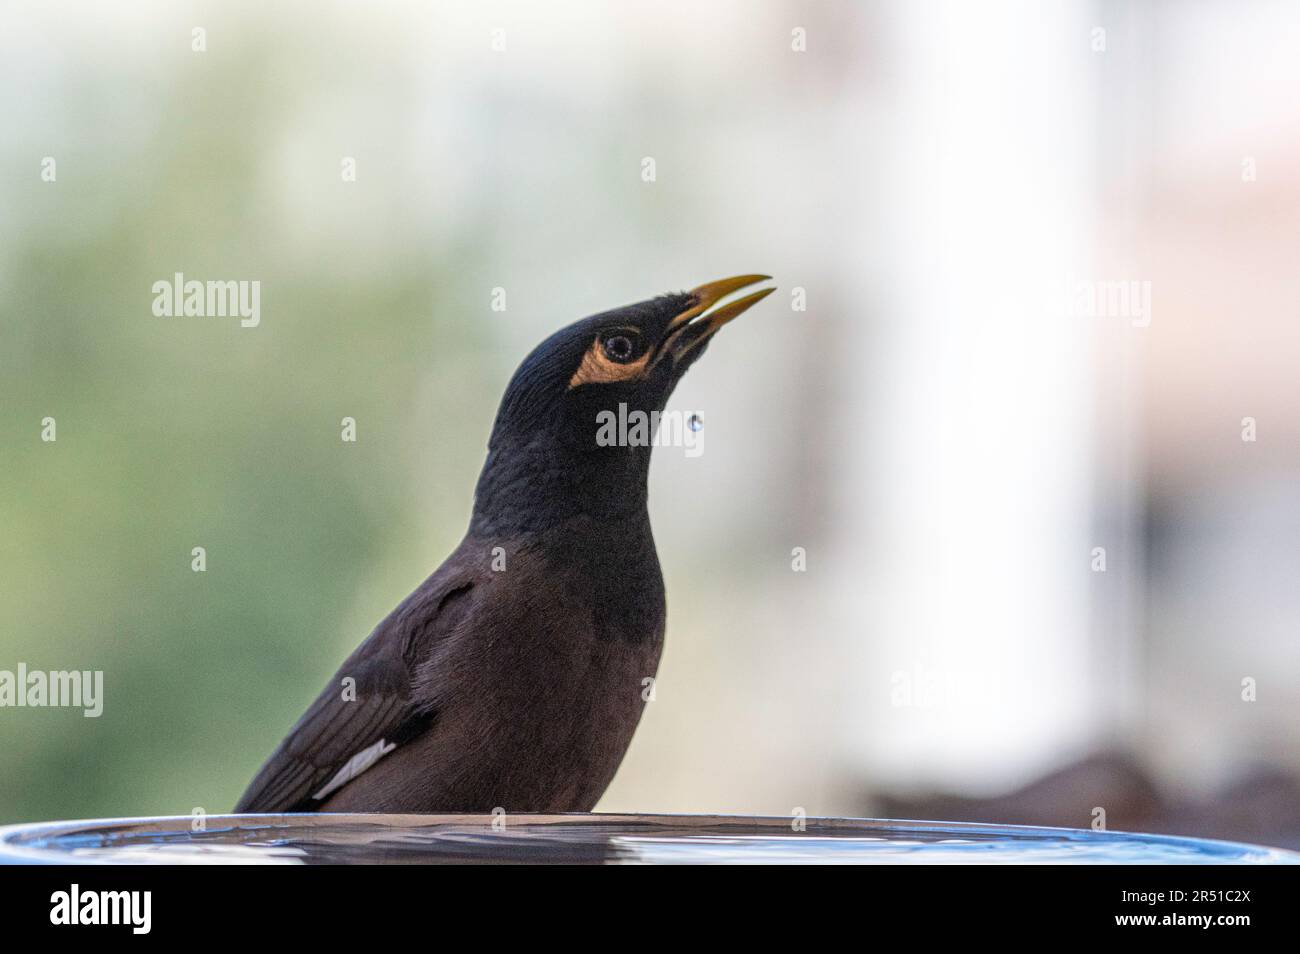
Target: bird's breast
543, 692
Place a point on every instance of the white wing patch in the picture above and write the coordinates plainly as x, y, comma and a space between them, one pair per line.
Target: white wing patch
355, 766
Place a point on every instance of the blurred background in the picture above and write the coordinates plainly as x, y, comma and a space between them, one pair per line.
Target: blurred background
1026, 399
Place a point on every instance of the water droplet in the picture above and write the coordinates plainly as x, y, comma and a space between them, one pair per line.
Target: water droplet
695, 422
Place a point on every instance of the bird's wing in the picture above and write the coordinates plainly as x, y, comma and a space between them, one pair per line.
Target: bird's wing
365, 712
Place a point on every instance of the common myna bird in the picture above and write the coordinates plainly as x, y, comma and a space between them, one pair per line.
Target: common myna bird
514, 676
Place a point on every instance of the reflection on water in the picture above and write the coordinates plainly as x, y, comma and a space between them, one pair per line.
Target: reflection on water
634, 839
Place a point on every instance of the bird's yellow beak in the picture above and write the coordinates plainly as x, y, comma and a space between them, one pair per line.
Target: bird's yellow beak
710, 293
684, 333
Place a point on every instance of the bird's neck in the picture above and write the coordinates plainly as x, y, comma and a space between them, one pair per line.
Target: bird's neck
535, 487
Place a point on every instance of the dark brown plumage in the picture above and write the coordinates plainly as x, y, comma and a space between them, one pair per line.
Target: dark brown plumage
513, 677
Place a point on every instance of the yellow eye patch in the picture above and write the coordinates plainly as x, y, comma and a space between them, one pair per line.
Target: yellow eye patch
599, 368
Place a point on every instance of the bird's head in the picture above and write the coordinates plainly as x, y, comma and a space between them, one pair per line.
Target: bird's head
624, 361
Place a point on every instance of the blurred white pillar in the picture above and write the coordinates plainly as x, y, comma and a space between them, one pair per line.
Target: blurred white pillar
965, 579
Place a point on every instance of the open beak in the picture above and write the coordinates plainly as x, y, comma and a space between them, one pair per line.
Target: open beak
696, 325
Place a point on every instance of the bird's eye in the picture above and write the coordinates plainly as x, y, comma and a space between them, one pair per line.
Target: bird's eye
619, 348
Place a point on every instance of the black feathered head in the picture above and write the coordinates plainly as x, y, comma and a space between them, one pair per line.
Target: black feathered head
627, 360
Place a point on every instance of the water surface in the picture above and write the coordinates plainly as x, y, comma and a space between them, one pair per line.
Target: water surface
616, 839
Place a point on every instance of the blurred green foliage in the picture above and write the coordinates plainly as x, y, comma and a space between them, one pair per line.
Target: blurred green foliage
181, 432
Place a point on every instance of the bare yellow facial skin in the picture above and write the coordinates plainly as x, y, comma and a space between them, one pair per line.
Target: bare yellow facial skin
598, 368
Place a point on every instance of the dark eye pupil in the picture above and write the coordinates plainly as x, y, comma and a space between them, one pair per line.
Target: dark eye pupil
619, 347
